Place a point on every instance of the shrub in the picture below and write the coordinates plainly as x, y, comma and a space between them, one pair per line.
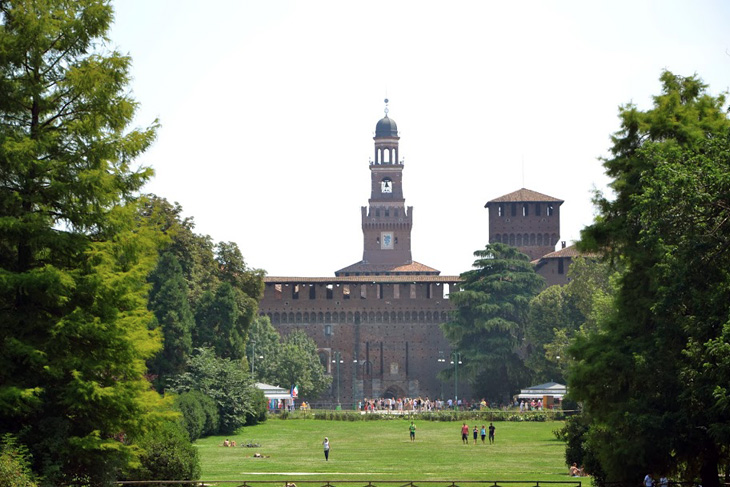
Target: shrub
225, 381
15, 465
200, 414
167, 454
259, 406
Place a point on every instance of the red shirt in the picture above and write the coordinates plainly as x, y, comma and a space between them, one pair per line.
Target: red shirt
465, 430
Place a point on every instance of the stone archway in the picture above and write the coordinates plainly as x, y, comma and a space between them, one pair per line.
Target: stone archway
394, 392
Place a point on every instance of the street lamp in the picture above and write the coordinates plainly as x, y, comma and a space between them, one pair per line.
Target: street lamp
441, 360
456, 360
253, 357
338, 360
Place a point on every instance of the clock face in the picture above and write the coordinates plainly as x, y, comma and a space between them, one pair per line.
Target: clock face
386, 240
386, 186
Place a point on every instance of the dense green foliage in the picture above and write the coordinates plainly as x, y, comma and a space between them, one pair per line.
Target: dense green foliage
288, 362
167, 454
203, 295
225, 381
488, 324
15, 468
199, 412
74, 254
560, 313
169, 301
653, 375
577, 450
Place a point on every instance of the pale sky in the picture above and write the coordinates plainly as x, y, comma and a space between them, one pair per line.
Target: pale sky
268, 109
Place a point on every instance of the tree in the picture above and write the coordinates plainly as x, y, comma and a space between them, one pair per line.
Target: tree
559, 313
551, 312
169, 301
297, 363
488, 323
225, 381
288, 362
74, 255
217, 320
263, 349
653, 375
222, 291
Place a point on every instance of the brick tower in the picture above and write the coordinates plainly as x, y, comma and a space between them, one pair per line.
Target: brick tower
386, 221
527, 220
376, 323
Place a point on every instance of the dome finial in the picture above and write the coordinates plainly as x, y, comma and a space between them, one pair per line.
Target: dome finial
386, 107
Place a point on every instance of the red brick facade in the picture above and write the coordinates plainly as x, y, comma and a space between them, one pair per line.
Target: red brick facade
385, 329
376, 322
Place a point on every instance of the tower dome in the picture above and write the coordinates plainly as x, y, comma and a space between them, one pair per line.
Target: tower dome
386, 127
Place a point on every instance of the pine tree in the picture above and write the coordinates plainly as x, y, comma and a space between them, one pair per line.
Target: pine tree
74, 255
488, 324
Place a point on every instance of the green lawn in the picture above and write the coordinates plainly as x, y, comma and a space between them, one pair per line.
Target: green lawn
382, 450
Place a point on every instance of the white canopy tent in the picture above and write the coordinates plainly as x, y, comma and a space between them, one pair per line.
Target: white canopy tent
277, 394
553, 389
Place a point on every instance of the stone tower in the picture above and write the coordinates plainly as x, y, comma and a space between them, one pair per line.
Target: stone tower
386, 221
527, 220
377, 322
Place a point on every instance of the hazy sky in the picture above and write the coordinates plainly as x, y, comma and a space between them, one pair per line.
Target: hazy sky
268, 109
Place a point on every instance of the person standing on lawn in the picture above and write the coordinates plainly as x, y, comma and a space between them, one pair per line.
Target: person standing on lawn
326, 444
412, 429
491, 433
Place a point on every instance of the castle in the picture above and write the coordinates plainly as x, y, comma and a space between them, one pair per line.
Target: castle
376, 322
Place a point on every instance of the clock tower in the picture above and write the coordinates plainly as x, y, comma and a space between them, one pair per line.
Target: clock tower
386, 221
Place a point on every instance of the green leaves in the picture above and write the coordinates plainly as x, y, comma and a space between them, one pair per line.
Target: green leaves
651, 356
488, 323
74, 254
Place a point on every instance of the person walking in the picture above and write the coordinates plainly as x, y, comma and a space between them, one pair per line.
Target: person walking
412, 429
491, 433
483, 432
326, 444
475, 432
465, 434
648, 481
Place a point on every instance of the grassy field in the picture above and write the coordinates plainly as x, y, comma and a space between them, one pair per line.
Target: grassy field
382, 450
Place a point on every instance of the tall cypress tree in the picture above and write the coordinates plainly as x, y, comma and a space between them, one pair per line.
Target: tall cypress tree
488, 323
74, 255
169, 302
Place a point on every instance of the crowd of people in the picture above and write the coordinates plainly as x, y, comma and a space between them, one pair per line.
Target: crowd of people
421, 405
530, 405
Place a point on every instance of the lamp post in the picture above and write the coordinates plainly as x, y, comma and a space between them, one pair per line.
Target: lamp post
441, 360
253, 357
456, 360
338, 360
355, 370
